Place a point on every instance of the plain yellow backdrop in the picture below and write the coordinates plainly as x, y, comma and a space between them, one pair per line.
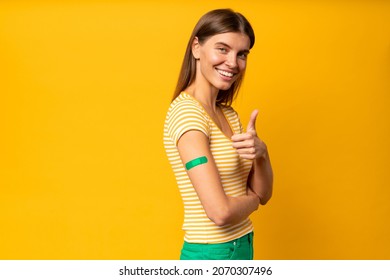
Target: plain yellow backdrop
84, 88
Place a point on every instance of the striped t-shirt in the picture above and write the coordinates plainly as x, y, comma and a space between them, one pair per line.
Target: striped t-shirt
185, 114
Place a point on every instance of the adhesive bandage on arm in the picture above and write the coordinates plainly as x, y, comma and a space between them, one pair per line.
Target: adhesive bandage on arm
196, 162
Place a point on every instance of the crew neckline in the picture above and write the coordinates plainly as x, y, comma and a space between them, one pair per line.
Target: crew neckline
211, 119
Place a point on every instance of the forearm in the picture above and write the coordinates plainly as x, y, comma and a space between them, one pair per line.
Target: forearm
219, 207
262, 178
236, 209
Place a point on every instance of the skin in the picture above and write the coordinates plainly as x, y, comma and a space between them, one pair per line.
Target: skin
250, 146
224, 52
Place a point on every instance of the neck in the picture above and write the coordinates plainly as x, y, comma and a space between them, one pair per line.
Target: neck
208, 100
204, 93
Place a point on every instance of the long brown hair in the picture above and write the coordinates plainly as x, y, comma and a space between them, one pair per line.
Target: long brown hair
212, 23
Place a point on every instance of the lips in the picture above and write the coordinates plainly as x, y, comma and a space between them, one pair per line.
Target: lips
225, 73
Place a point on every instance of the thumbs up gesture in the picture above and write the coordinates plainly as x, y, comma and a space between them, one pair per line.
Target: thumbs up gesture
247, 144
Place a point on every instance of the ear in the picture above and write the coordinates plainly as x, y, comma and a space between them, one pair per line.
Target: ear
196, 48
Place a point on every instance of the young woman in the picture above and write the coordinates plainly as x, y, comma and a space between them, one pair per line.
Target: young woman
223, 173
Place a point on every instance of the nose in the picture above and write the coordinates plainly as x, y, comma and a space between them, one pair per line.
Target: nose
231, 60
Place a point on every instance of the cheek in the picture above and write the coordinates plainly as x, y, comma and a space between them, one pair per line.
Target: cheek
241, 64
215, 58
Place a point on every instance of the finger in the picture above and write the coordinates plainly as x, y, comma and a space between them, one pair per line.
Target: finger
246, 151
252, 122
247, 156
244, 144
241, 137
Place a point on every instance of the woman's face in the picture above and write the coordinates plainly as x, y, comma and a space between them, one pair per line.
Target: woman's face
221, 59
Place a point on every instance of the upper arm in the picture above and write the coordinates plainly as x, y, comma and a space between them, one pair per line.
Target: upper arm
186, 116
204, 177
188, 127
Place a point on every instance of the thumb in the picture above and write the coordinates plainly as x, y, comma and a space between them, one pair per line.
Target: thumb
252, 121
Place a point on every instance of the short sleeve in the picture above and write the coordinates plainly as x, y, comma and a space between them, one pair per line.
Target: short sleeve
184, 116
233, 119
239, 123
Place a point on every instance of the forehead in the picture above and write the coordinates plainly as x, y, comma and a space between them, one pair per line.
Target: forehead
235, 40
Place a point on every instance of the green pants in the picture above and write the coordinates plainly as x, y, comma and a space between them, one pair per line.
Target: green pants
238, 249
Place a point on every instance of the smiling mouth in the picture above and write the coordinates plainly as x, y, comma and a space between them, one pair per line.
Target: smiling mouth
225, 73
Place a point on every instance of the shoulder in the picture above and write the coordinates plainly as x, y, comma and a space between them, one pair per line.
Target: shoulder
184, 103
233, 118
186, 107
185, 114
229, 111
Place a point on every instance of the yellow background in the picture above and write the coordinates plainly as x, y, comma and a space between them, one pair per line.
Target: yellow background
84, 90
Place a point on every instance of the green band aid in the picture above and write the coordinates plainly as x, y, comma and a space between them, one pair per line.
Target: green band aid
196, 162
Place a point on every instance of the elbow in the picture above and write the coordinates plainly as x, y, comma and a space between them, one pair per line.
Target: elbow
264, 199
220, 221
220, 217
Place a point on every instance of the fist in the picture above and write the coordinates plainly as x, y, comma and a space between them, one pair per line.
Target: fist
247, 144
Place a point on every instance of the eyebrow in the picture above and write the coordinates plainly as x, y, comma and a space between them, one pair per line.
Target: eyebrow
226, 45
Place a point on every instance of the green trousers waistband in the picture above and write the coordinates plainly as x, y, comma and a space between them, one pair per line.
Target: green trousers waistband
237, 249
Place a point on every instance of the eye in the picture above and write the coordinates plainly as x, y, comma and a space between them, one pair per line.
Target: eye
222, 50
243, 56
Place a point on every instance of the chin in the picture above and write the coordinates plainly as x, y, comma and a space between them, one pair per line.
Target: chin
224, 87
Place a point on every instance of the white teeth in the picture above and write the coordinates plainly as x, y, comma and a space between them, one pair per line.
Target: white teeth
227, 74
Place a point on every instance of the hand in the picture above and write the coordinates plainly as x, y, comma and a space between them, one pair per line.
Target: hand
247, 144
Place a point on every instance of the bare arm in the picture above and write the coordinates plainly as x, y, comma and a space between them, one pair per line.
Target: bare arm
250, 146
261, 178
219, 207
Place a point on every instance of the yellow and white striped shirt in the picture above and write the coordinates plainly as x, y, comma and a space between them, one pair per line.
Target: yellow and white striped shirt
185, 114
